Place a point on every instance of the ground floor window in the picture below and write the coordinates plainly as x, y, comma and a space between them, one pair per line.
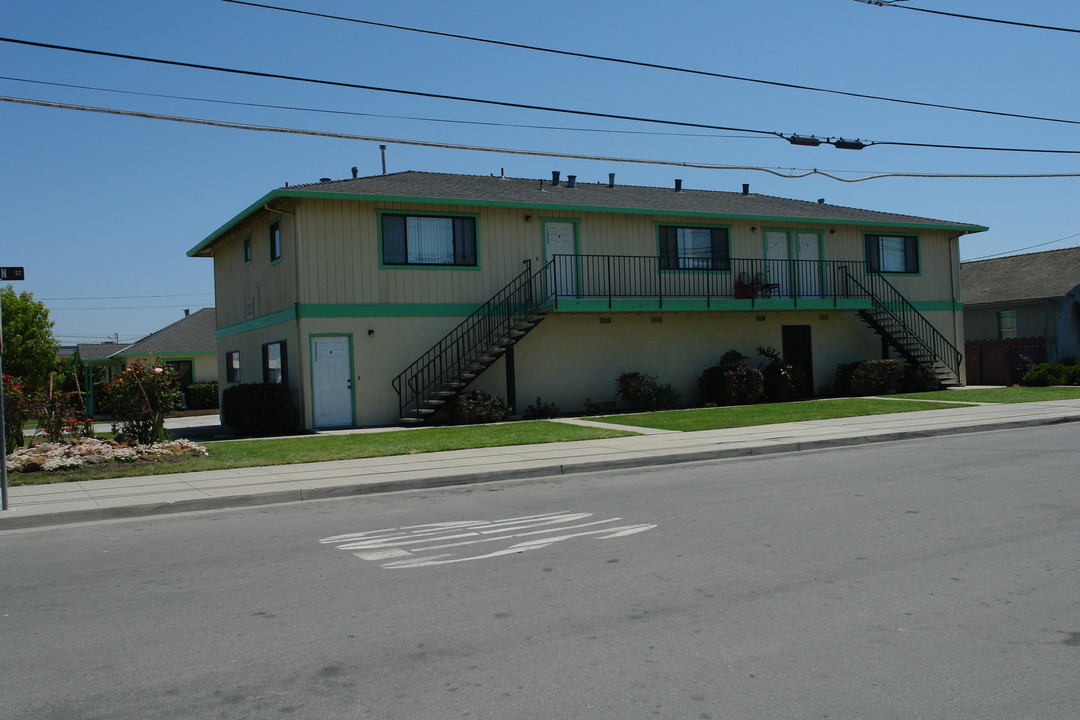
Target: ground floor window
232, 366
275, 363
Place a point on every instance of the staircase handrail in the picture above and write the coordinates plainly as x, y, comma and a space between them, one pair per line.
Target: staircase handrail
910, 319
450, 357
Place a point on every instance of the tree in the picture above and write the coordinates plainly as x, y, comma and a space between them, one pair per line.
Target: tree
30, 350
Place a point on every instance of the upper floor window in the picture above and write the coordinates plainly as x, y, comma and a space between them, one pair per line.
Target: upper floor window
275, 241
247, 250
1007, 324
428, 240
892, 253
275, 363
694, 248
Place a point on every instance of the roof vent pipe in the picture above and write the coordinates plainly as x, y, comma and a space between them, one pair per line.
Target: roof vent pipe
571, 181
678, 184
355, 172
821, 201
746, 188
611, 180
325, 180
555, 178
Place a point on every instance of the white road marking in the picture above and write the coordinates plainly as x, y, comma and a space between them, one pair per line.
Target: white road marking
415, 544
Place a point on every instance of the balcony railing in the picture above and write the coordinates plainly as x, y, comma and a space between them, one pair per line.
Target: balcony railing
616, 277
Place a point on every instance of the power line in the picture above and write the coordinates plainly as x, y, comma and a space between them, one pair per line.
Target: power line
378, 115
502, 103
655, 66
512, 151
128, 297
892, 4
1010, 252
397, 91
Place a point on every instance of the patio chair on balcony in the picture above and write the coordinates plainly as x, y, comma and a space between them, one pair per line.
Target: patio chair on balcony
763, 288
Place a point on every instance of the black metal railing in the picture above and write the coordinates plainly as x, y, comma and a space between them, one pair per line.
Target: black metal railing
626, 276
450, 358
888, 301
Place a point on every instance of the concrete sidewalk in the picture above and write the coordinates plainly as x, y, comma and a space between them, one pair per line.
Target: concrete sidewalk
38, 505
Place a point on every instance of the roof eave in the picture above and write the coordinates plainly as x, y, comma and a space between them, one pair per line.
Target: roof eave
202, 249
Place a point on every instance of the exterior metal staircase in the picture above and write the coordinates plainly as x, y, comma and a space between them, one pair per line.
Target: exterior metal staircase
448, 367
906, 330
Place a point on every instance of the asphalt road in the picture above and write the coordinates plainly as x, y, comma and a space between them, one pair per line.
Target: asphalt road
927, 579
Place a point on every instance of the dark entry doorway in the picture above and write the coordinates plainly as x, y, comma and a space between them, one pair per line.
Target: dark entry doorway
798, 353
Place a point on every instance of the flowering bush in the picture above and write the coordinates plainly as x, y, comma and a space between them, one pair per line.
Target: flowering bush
47, 457
476, 406
141, 397
16, 412
56, 413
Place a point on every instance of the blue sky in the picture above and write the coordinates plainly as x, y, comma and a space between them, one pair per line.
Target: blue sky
101, 209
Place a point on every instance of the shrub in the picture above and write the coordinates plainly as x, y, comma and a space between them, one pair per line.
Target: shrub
16, 412
638, 389
870, 377
476, 406
1045, 374
743, 385
259, 409
1072, 375
541, 410
141, 397
920, 378
779, 376
201, 396
667, 396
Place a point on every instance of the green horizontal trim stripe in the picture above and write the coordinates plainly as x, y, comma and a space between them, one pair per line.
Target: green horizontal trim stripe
549, 207
389, 310
286, 315
599, 305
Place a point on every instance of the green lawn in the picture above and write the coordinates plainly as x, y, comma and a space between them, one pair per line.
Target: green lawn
768, 413
319, 448
1000, 395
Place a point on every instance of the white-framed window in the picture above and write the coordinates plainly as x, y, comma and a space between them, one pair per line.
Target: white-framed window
892, 253
1007, 324
429, 240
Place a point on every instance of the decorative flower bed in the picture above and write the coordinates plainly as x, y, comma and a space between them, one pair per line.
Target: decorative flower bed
47, 457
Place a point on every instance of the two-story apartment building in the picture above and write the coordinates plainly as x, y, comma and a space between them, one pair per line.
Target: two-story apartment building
376, 299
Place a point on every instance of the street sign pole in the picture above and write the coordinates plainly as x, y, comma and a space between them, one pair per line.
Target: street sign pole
6, 273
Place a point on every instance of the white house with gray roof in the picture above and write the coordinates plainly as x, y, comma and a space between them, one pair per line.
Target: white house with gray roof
377, 299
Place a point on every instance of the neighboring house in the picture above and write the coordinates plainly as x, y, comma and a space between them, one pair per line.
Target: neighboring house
188, 345
377, 299
1020, 305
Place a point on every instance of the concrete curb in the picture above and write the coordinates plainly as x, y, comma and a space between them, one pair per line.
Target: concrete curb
12, 521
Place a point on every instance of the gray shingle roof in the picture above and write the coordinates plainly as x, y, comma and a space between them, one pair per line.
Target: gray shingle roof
97, 351
1033, 276
492, 189
450, 189
192, 334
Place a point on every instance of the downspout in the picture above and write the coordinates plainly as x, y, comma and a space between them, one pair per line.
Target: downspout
296, 304
957, 298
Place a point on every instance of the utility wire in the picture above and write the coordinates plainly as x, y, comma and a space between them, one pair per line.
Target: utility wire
508, 151
377, 115
500, 103
397, 91
893, 4
128, 297
655, 66
1010, 252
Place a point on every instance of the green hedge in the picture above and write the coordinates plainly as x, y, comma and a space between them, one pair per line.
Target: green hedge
259, 409
1045, 374
201, 396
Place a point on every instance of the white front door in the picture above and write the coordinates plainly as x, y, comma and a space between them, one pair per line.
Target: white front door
776, 254
331, 372
808, 251
559, 240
